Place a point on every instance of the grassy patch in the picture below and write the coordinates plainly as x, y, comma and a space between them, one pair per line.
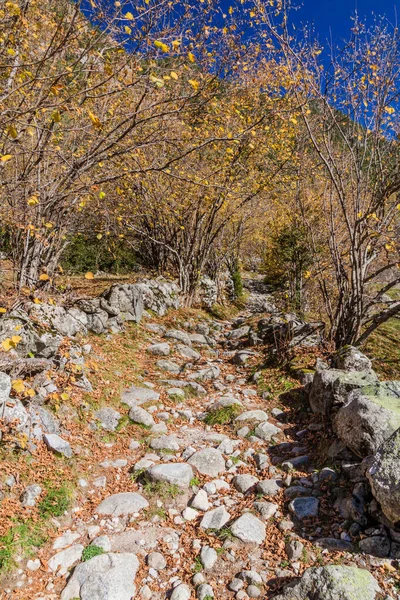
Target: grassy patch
22, 538
161, 489
384, 348
56, 501
91, 551
221, 416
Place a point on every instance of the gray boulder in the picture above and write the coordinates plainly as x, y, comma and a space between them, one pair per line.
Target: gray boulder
138, 395
304, 508
105, 577
180, 336
207, 374
108, 417
331, 387
168, 365
215, 519
187, 352
333, 583
208, 461
141, 416
350, 358
125, 301
162, 349
57, 445
179, 474
266, 431
384, 477
367, 421
249, 529
121, 505
5, 387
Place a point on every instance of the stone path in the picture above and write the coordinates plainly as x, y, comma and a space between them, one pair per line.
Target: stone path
218, 495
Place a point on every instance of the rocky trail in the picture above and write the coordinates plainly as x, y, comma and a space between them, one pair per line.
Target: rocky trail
208, 477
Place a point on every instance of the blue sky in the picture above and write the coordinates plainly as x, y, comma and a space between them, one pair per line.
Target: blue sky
334, 15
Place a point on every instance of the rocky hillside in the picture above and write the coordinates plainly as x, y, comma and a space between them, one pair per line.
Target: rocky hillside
154, 452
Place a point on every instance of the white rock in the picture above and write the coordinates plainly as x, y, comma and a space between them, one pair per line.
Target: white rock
60, 563
208, 557
200, 501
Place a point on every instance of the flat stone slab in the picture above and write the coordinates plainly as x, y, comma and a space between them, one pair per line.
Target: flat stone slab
138, 395
208, 461
249, 529
253, 415
121, 505
179, 474
105, 577
266, 431
304, 508
215, 519
57, 445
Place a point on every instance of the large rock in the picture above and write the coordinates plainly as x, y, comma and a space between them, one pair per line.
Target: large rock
266, 431
207, 374
179, 474
121, 505
124, 300
5, 387
367, 421
159, 295
350, 358
138, 395
215, 519
331, 387
57, 444
208, 461
332, 583
249, 529
384, 477
105, 577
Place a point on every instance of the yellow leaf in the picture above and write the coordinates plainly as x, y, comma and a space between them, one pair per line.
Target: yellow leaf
95, 120
44, 277
6, 344
25, 290
129, 16
128, 30
5, 157
174, 75
191, 57
16, 339
194, 84
56, 116
161, 45
102, 195
176, 44
32, 201
389, 109
48, 225
11, 51
30, 392
18, 385
3, 310
37, 301
64, 396
12, 132
99, 236
89, 275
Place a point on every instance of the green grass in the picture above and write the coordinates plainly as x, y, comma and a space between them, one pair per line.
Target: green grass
162, 489
195, 481
91, 551
22, 538
56, 502
221, 416
384, 349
